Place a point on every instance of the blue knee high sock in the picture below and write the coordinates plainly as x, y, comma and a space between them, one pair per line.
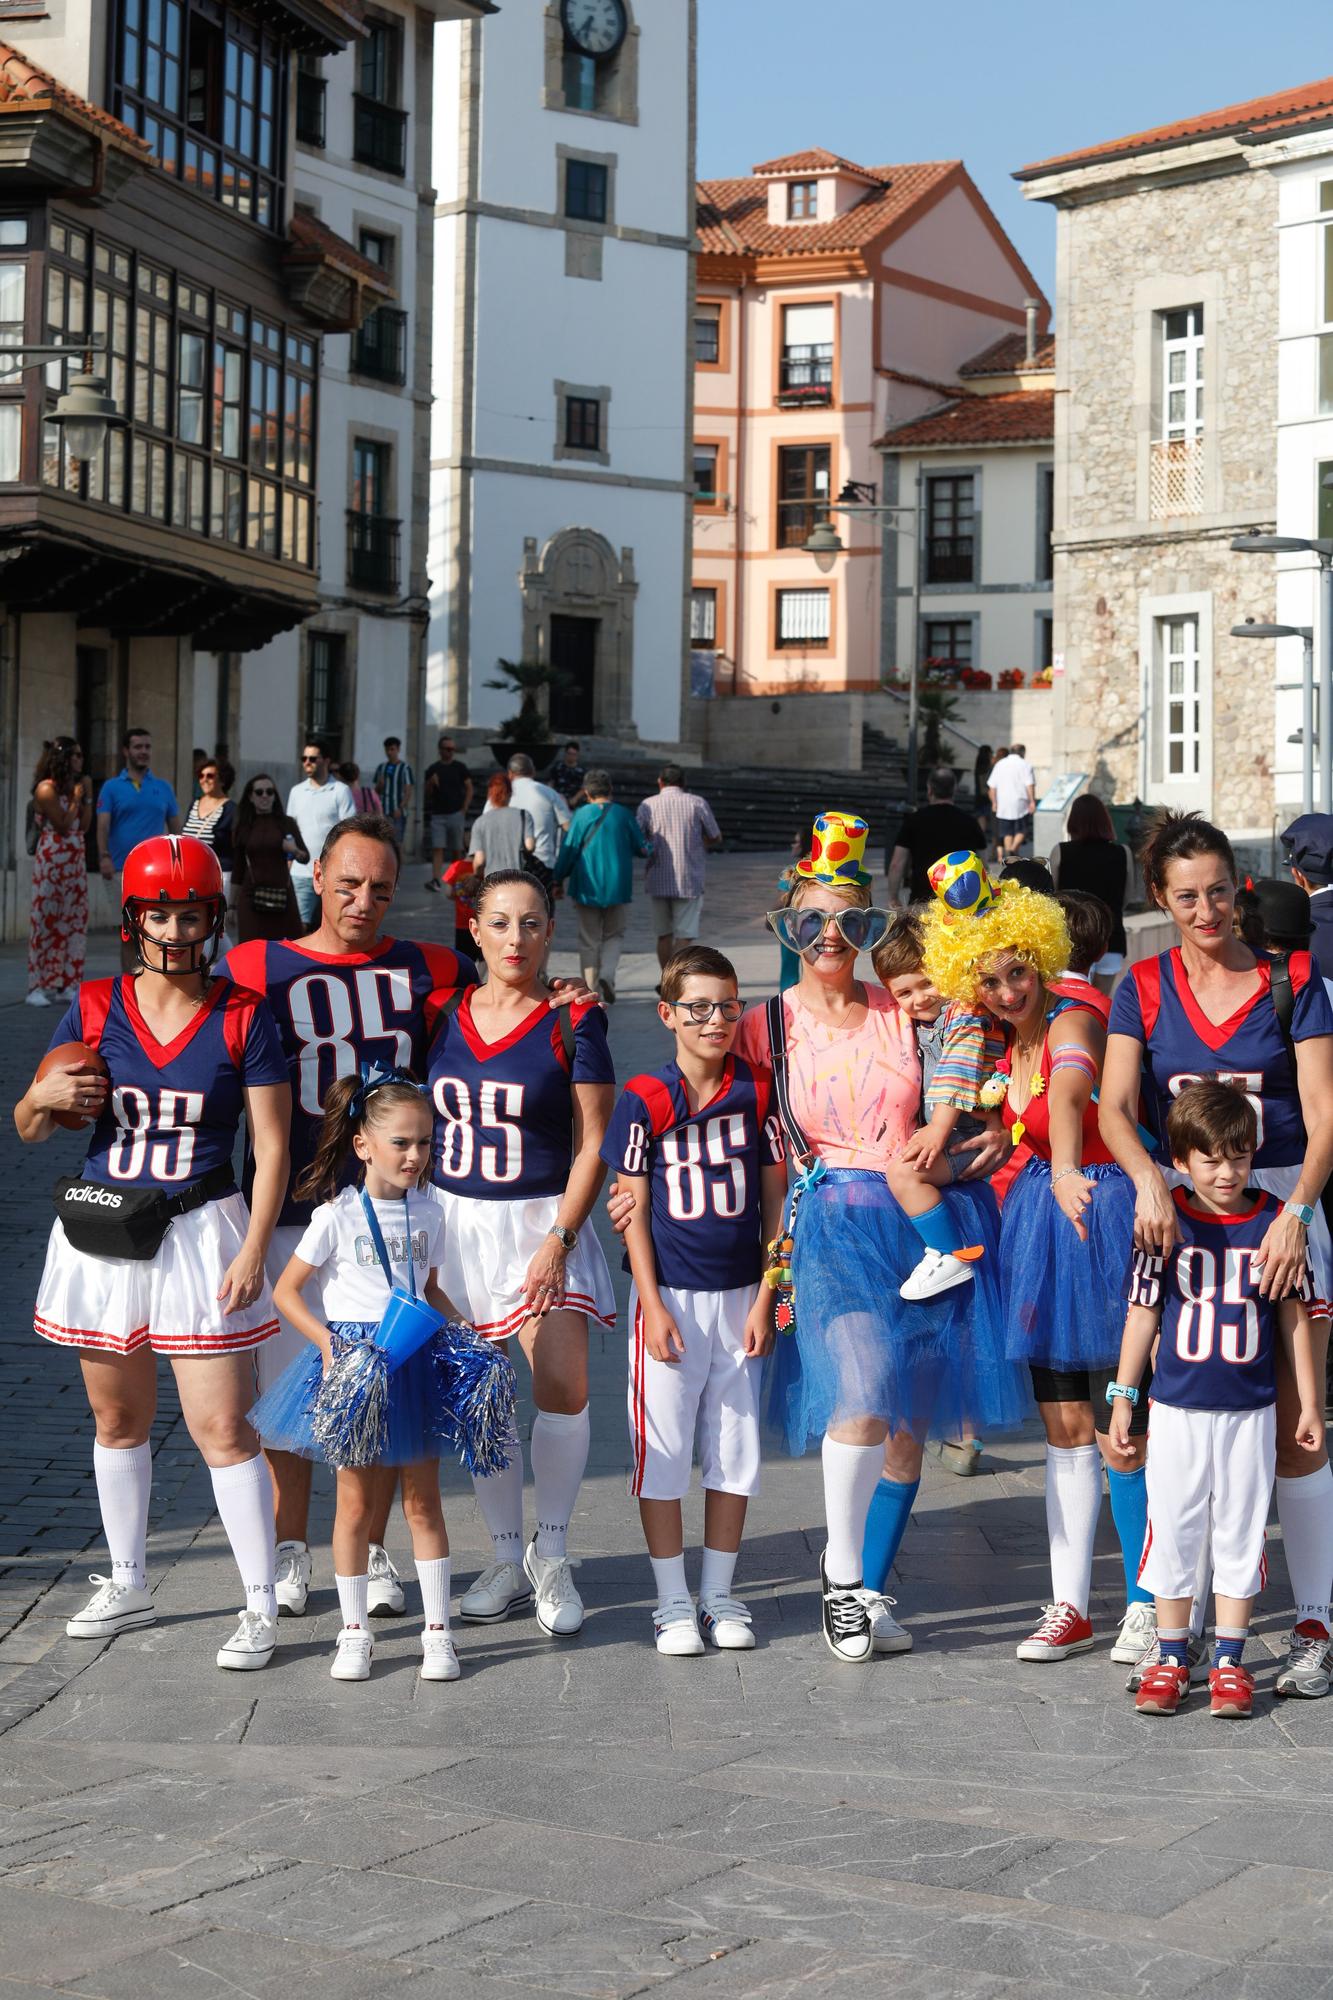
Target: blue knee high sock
938, 1229
1129, 1511
886, 1524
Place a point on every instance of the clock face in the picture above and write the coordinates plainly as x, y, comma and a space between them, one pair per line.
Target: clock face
595, 26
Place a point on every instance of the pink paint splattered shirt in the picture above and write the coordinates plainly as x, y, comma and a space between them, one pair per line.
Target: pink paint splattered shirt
855, 1093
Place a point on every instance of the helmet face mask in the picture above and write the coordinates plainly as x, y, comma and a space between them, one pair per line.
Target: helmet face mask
175, 958
177, 872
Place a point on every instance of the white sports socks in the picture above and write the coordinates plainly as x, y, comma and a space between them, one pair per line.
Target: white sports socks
559, 1453
1305, 1511
718, 1570
669, 1576
352, 1594
850, 1475
1073, 1502
124, 1476
433, 1576
243, 1495
500, 1498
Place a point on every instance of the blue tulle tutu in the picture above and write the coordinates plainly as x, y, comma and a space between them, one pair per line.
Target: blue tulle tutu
861, 1350
1065, 1301
455, 1394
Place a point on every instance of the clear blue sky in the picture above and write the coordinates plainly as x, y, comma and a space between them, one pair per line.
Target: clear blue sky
997, 86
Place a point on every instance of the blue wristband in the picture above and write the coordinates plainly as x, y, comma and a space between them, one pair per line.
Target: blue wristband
1114, 1389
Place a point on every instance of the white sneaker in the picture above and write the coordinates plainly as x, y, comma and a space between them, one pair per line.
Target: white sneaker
384, 1597
559, 1606
1309, 1659
494, 1594
439, 1661
937, 1272
886, 1634
1196, 1652
37, 998
675, 1628
251, 1645
292, 1578
1138, 1631
726, 1622
113, 1607
352, 1660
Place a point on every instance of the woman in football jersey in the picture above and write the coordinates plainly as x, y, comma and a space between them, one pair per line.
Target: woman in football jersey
522, 1097
1211, 1006
183, 1056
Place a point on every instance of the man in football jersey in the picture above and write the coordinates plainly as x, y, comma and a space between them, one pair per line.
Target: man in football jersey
700, 1132
1212, 1443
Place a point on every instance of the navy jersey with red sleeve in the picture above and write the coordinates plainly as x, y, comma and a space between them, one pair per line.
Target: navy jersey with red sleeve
504, 1113
703, 1170
174, 1108
335, 1011
1156, 1007
1218, 1335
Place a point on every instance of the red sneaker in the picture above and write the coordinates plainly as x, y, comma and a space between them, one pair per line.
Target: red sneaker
1163, 1687
1232, 1690
1062, 1631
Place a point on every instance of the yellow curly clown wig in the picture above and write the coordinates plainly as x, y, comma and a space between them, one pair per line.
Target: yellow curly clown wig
957, 944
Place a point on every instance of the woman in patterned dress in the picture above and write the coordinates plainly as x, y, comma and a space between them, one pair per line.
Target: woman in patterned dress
57, 942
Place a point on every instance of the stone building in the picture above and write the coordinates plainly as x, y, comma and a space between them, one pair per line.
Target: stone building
1166, 400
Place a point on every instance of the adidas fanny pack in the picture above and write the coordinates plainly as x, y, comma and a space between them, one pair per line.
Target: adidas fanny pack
130, 1222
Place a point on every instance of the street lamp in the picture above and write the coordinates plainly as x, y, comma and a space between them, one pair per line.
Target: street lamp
84, 412
1321, 548
1255, 629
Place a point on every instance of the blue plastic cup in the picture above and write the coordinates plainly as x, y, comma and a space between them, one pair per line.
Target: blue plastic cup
407, 1325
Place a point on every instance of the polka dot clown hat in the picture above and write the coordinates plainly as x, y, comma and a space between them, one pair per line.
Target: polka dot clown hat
837, 848
962, 884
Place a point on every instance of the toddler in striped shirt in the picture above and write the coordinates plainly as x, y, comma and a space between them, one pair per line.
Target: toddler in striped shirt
959, 1050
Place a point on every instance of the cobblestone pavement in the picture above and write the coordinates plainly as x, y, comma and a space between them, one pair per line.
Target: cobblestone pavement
586, 1818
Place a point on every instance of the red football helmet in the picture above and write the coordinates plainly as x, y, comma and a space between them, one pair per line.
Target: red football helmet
173, 868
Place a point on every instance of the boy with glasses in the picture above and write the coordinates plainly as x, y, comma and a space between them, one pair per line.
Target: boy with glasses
702, 1135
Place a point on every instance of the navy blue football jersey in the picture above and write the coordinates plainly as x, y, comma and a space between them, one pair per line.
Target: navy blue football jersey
504, 1113
1218, 1335
174, 1108
333, 1013
1156, 1006
703, 1171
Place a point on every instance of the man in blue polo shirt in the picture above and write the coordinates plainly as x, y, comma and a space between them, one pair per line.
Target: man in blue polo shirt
132, 807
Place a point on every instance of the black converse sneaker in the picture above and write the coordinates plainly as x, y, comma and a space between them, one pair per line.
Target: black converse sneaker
846, 1619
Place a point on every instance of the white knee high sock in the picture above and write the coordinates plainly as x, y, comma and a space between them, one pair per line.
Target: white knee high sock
243, 1495
124, 1476
353, 1593
851, 1472
500, 1498
559, 1456
433, 1576
1305, 1511
1073, 1502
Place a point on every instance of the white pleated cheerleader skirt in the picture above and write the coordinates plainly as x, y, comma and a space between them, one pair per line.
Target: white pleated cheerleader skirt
168, 1302
488, 1246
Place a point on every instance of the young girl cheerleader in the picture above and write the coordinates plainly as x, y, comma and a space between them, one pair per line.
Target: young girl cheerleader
362, 1242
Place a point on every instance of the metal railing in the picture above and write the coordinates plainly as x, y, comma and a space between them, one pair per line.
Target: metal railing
805, 374
372, 551
950, 559
379, 135
379, 345
1175, 480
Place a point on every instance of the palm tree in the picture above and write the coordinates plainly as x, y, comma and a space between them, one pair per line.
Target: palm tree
527, 679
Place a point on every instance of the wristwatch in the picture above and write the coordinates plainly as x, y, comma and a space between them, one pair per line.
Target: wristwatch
567, 1238
1114, 1389
1302, 1211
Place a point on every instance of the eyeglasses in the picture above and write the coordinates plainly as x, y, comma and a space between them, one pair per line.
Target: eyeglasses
704, 1010
801, 929
310, 760
264, 792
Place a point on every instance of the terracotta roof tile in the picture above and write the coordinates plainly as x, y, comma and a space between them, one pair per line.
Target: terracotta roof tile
732, 215
308, 237
817, 159
1302, 103
1008, 354
24, 87
1027, 416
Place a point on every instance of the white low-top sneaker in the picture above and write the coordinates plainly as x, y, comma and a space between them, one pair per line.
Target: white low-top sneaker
113, 1607
675, 1628
252, 1644
439, 1661
37, 998
292, 1578
1196, 1652
559, 1606
1309, 1662
494, 1594
384, 1595
351, 1661
1138, 1631
938, 1271
726, 1622
886, 1634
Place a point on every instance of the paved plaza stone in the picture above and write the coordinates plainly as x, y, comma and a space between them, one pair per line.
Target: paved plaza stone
586, 1818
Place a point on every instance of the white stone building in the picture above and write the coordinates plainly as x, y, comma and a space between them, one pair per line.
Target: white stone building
560, 504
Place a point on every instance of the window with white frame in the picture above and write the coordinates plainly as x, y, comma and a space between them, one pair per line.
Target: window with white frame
1179, 699
803, 618
703, 617
1182, 374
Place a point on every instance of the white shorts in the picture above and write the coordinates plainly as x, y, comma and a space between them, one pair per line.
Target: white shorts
714, 1389
168, 1302
277, 1354
1208, 1470
677, 916
488, 1246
